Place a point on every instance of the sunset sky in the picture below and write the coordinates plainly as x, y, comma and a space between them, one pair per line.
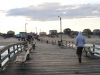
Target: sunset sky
43, 15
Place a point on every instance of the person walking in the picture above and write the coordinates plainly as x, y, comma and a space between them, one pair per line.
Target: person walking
32, 37
29, 38
80, 42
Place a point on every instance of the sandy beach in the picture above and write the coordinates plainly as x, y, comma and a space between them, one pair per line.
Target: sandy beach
7, 41
93, 39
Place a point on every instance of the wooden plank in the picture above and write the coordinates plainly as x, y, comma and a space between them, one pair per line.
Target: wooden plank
19, 59
48, 59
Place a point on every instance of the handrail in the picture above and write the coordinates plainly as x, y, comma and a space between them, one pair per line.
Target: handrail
70, 43
8, 52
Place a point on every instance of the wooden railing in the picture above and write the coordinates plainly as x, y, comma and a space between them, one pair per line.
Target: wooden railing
55, 41
71, 43
9, 52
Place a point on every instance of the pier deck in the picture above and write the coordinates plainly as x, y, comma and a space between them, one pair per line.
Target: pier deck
48, 59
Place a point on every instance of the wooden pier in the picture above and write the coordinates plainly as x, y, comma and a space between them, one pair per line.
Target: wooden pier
48, 59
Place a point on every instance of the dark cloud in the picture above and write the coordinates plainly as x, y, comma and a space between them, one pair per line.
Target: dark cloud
51, 11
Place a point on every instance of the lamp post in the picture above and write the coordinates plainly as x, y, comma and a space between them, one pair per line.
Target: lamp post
25, 29
36, 30
60, 28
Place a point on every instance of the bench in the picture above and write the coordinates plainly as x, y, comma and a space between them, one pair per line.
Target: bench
91, 52
24, 58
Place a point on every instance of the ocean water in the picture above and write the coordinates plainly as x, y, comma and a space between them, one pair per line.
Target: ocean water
96, 50
1, 47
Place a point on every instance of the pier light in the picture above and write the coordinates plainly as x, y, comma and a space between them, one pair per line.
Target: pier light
60, 27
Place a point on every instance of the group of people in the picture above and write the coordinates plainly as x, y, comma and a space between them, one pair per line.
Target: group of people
30, 38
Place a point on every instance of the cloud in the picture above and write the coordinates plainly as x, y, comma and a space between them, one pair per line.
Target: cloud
2, 11
51, 11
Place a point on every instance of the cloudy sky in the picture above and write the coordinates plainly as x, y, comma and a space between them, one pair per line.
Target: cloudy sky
43, 15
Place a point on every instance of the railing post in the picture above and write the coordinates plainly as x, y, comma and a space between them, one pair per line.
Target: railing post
69, 43
26, 44
41, 39
14, 49
0, 65
8, 53
21, 47
17, 47
66, 43
47, 41
0, 62
55, 42
62, 43
72, 44
93, 47
52, 41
